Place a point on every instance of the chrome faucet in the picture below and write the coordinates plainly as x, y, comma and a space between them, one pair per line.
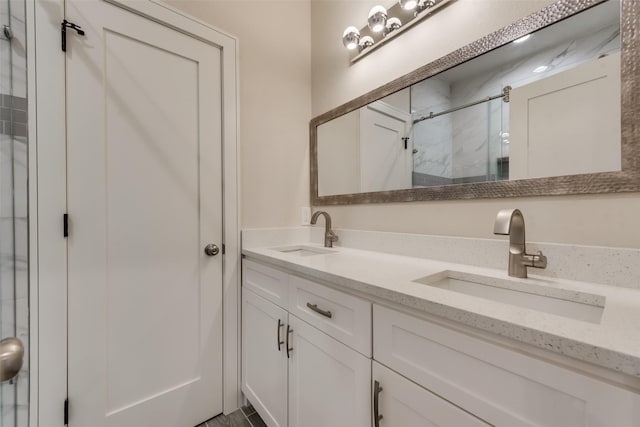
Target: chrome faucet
511, 222
329, 235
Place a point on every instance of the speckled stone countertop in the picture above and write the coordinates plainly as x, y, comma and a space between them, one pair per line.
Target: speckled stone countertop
613, 342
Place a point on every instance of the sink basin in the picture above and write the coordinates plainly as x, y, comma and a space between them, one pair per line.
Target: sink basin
304, 251
572, 304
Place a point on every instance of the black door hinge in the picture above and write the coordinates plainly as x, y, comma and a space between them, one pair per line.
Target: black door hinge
406, 140
66, 411
65, 225
223, 249
63, 28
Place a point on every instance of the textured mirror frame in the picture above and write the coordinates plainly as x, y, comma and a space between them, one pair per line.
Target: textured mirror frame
626, 180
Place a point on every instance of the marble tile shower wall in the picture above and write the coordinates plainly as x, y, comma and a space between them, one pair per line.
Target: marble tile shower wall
14, 306
432, 138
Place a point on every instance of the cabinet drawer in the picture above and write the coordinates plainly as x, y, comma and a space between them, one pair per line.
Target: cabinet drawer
499, 385
344, 317
405, 404
267, 282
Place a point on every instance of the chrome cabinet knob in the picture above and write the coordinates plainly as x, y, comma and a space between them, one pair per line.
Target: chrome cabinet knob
211, 249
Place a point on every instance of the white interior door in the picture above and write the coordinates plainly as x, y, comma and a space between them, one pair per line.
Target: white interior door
144, 198
386, 163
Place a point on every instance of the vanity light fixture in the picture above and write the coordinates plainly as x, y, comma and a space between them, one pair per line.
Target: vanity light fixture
522, 39
351, 38
377, 18
383, 25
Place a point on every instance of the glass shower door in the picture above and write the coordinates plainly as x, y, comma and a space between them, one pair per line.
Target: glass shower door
14, 279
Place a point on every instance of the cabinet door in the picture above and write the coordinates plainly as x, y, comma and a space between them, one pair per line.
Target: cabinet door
402, 403
329, 383
500, 385
264, 360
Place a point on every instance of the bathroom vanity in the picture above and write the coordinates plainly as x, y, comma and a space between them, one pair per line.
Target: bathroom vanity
351, 337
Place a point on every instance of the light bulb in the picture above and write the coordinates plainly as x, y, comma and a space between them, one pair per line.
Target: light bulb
377, 18
393, 24
408, 4
351, 38
365, 42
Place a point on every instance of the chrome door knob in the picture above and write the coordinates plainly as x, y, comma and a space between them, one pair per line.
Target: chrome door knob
211, 249
11, 355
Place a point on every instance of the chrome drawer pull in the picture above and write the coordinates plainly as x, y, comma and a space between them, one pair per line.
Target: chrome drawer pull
314, 307
377, 416
289, 349
280, 325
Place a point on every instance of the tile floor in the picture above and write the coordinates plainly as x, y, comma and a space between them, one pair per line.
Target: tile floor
243, 417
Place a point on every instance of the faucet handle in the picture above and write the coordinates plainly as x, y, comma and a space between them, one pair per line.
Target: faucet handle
332, 235
539, 260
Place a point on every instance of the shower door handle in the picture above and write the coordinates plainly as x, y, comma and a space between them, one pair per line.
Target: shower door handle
11, 356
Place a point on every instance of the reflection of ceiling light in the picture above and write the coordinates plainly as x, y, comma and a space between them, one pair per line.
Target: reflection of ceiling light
377, 18
351, 38
540, 69
522, 39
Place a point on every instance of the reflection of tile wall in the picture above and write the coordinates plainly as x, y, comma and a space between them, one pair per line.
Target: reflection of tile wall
432, 138
13, 115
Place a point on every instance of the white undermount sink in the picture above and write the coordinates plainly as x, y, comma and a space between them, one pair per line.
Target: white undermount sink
303, 251
562, 302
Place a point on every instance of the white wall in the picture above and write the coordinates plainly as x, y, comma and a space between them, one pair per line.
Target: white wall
608, 220
275, 102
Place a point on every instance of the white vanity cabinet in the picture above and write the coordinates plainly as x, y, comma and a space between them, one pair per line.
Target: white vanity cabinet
426, 371
294, 371
499, 385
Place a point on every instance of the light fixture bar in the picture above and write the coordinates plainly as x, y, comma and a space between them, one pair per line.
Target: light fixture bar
408, 18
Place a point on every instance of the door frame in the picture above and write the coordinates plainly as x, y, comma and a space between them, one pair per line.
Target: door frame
48, 201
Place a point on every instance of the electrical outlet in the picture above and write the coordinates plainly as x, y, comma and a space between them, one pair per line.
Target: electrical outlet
305, 216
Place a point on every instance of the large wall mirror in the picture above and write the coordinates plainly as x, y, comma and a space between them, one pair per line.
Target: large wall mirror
548, 105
